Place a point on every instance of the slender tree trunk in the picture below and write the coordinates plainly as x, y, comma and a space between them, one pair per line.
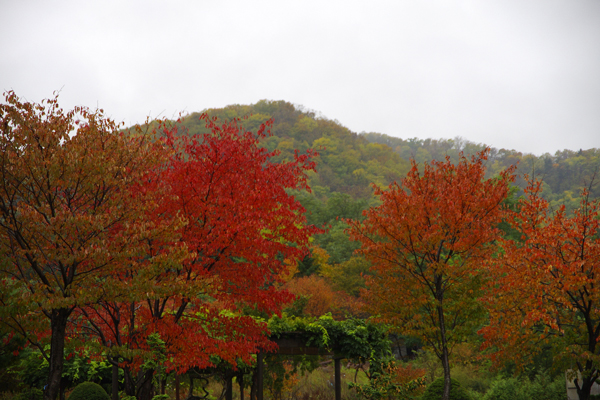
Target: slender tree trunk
58, 325
115, 380
447, 381
444, 343
191, 393
254, 384
240, 379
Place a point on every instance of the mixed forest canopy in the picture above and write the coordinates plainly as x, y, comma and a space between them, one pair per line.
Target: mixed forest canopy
349, 162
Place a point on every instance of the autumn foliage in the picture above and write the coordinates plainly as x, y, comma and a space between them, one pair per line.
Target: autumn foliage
545, 288
67, 219
427, 242
238, 228
150, 246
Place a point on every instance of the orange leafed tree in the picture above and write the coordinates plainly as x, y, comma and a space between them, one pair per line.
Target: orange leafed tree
67, 219
427, 242
545, 291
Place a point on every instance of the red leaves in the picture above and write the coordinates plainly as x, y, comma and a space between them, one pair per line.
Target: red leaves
227, 223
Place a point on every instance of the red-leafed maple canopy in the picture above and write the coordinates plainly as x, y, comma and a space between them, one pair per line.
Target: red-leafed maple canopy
235, 225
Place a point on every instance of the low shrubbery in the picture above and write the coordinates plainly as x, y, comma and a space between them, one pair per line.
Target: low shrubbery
88, 391
436, 390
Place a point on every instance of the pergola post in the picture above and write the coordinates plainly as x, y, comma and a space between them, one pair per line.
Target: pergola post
338, 378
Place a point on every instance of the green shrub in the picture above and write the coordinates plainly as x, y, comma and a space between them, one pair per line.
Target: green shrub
541, 387
503, 389
88, 391
436, 390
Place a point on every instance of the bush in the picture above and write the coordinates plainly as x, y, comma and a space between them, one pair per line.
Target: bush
504, 389
542, 387
436, 390
88, 391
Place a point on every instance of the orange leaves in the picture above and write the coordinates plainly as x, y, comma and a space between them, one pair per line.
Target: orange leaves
427, 242
546, 285
321, 297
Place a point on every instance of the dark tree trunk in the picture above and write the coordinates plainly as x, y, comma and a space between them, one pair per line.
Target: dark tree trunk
115, 381
254, 384
240, 379
58, 325
228, 385
145, 385
191, 386
63, 384
129, 382
444, 354
584, 385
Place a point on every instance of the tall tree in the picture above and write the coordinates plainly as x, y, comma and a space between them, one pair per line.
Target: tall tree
67, 218
426, 242
545, 288
242, 230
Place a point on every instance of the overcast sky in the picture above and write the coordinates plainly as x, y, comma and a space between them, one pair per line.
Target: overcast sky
516, 74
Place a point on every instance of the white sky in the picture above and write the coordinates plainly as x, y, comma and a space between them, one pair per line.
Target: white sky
516, 74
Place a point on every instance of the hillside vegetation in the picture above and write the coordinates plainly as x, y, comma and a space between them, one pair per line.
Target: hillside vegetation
349, 162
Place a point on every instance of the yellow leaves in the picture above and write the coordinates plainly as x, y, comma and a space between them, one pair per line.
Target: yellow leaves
289, 271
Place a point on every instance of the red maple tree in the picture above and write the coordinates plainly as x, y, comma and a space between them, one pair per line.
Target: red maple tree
239, 225
426, 242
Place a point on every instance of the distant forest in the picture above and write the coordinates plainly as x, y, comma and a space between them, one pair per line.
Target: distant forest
349, 162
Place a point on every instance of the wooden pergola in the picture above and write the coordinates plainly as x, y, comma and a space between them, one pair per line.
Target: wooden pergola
295, 346
290, 345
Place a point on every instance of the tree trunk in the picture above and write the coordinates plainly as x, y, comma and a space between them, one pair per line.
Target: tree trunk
129, 382
240, 379
115, 381
254, 384
191, 393
228, 385
163, 385
58, 325
145, 385
444, 356
585, 388
447, 381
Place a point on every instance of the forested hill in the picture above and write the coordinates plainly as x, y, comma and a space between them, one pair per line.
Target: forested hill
349, 162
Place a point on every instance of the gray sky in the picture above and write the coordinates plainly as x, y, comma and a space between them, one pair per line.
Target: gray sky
516, 74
